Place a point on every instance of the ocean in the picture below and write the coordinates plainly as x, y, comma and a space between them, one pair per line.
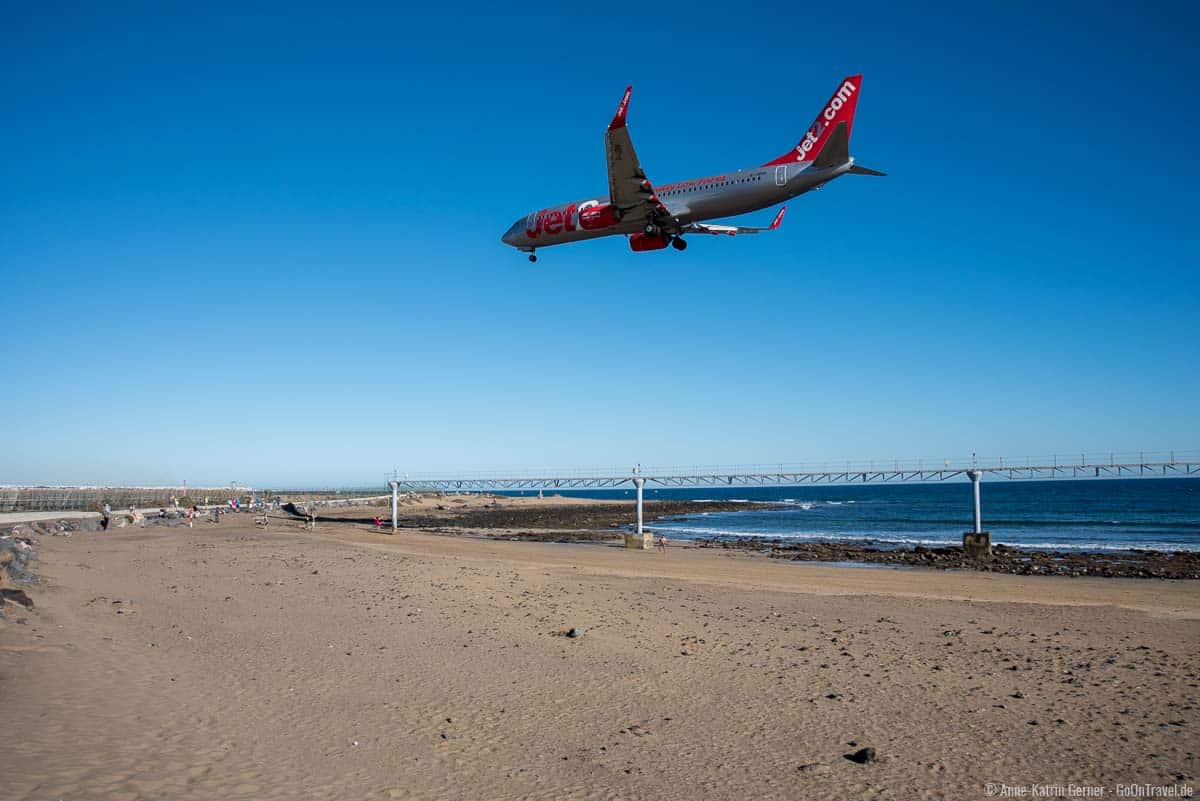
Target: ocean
1082, 515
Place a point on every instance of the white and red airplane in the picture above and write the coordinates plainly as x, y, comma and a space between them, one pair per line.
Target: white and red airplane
654, 217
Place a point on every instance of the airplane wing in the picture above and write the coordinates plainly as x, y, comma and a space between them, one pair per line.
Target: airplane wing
628, 188
732, 230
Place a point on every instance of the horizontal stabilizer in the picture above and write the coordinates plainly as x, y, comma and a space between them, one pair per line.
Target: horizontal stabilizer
857, 170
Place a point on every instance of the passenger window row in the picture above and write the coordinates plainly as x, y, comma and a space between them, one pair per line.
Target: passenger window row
747, 179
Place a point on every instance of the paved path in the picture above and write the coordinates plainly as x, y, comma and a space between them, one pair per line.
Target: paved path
8, 518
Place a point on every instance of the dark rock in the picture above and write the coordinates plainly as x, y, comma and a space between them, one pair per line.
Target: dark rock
553, 523
573, 633
862, 756
1139, 563
17, 597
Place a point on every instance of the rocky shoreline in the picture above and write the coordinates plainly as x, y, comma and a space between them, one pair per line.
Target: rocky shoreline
569, 522
593, 522
589, 520
1004, 559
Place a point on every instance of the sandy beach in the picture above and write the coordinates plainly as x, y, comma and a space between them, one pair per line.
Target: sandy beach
234, 662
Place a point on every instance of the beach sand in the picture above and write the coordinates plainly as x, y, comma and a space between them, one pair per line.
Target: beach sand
229, 662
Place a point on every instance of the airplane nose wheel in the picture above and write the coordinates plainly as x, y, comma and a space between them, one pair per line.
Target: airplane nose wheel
532, 258
678, 243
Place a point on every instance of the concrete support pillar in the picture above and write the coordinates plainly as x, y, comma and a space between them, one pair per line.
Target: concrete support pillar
639, 483
977, 544
641, 538
395, 485
975, 475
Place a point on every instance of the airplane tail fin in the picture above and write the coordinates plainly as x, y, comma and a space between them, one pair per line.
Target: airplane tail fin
836, 150
838, 110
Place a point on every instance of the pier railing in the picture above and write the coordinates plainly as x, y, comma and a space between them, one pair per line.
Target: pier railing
1107, 464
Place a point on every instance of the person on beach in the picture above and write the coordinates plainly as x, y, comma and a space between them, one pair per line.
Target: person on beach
191, 515
104, 519
661, 543
107, 509
378, 522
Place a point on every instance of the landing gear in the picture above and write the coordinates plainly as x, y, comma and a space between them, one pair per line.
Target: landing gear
532, 258
652, 229
678, 243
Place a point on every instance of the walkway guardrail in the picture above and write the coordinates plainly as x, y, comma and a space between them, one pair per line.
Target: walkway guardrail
974, 471
1110, 465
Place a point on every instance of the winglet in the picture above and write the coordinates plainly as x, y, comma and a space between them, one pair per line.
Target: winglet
618, 120
778, 218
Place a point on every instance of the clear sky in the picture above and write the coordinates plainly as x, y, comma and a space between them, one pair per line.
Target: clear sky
261, 242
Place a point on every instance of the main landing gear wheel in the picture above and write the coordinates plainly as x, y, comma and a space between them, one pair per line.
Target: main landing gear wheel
678, 244
651, 229
532, 257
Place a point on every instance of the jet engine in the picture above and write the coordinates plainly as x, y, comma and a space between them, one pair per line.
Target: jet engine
594, 217
641, 242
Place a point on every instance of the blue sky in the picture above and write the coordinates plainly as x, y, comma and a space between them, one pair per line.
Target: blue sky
262, 245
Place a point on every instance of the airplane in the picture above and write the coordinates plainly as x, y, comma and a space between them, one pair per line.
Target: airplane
654, 217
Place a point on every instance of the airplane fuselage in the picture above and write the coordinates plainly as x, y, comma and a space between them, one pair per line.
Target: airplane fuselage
717, 196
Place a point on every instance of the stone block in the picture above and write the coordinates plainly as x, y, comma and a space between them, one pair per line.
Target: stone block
977, 546
643, 541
